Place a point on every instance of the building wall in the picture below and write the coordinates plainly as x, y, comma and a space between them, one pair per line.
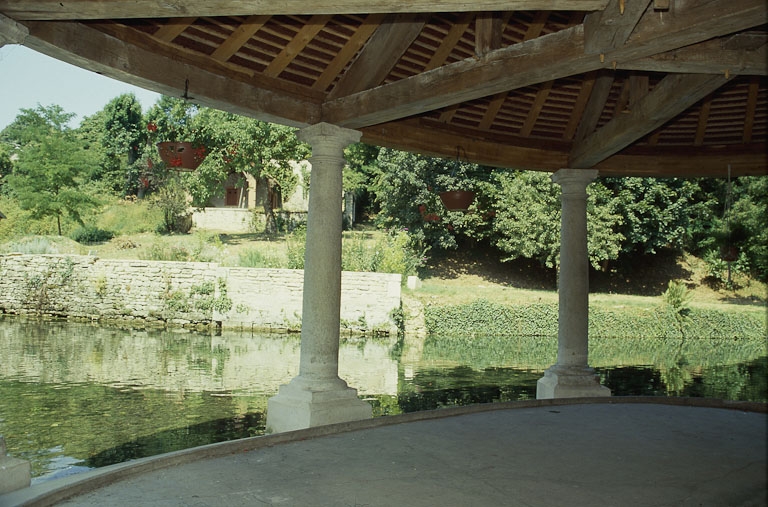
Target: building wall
183, 293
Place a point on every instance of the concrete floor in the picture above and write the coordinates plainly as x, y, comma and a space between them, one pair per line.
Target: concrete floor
596, 452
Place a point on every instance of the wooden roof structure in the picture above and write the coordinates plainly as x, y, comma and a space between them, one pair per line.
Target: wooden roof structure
629, 87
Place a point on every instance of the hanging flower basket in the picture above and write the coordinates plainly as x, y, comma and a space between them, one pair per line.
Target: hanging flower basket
457, 200
181, 155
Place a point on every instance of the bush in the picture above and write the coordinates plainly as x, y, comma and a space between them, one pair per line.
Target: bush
252, 258
32, 245
90, 234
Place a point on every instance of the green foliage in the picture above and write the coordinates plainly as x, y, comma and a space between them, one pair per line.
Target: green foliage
171, 200
677, 297
131, 217
89, 234
122, 135
392, 253
253, 258
31, 245
483, 317
51, 168
527, 223
296, 244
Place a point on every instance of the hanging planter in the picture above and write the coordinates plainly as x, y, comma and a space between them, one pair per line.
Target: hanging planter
457, 200
181, 155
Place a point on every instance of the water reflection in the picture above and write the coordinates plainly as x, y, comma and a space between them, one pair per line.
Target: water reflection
76, 396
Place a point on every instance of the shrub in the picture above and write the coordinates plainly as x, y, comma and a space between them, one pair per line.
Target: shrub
89, 234
32, 245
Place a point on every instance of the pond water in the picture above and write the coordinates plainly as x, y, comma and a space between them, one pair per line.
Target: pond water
78, 396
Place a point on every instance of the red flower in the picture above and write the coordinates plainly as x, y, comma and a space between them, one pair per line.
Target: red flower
176, 161
152, 127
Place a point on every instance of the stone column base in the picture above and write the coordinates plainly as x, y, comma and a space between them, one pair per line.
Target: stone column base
564, 382
14, 473
304, 404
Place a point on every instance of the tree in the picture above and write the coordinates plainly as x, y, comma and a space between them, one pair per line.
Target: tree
51, 166
655, 211
527, 222
123, 137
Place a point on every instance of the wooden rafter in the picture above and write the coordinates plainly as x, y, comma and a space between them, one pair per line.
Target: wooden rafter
449, 42
380, 54
173, 29
749, 118
350, 49
670, 97
99, 9
701, 128
546, 58
708, 57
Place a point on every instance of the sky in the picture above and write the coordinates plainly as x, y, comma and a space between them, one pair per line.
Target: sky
29, 78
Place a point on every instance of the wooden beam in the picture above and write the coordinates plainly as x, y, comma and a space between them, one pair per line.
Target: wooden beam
101, 9
355, 43
429, 137
673, 95
596, 104
749, 117
94, 50
380, 54
173, 29
701, 127
708, 57
610, 28
488, 31
11, 32
549, 57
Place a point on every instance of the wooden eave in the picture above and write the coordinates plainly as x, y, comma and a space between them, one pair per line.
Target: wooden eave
617, 85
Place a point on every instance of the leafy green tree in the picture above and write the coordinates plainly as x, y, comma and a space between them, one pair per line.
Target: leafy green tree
527, 222
749, 222
6, 166
408, 199
123, 137
655, 211
51, 167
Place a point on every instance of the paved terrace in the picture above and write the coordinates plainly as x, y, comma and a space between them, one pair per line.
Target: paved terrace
587, 452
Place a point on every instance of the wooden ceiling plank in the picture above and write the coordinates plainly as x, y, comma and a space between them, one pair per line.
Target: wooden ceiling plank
449, 41
100, 9
701, 127
350, 49
99, 52
537, 25
239, 37
538, 104
380, 54
749, 119
297, 44
549, 57
580, 105
493, 109
673, 95
173, 29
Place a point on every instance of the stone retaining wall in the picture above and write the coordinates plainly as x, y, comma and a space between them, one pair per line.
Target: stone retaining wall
183, 293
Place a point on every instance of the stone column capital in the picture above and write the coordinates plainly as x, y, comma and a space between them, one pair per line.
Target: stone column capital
11, 32
325, 136
574, 180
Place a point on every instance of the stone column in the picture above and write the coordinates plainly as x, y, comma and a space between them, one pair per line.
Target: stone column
317, 396
11, 32
572, 377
